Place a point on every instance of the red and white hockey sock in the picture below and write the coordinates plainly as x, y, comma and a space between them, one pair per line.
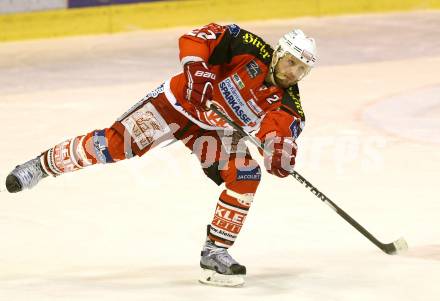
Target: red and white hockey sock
230, 214
67, 156
99, 146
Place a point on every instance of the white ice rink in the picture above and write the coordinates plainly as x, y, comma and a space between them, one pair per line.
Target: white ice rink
133, 230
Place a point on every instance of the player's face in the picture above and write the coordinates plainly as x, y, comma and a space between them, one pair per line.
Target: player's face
289, 70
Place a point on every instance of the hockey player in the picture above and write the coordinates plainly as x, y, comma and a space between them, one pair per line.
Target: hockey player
252, 83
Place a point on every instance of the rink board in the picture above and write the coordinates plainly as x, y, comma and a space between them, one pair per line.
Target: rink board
164, 14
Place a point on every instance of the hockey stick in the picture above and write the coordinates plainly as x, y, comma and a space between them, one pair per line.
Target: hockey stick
390, 248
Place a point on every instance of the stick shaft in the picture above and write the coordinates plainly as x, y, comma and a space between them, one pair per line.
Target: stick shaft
308, 185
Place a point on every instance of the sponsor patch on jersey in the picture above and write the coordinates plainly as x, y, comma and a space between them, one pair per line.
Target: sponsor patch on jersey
255, 107
146, 125
249, 175
233, 98
234, 29
296, 128
238, 81
253, 69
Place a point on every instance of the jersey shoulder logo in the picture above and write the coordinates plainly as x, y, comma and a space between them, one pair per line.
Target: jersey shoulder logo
296, 128
253, 69
234, 30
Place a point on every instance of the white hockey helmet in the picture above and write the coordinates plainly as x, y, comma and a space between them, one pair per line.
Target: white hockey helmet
299, 45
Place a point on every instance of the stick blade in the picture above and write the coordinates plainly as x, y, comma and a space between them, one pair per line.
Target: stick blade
396, 247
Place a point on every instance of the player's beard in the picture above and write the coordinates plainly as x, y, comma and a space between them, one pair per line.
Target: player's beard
281, 79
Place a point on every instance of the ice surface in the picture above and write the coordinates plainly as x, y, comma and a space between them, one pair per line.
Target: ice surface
133, 230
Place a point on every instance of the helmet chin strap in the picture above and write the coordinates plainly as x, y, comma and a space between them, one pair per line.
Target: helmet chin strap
271, 75
270, 78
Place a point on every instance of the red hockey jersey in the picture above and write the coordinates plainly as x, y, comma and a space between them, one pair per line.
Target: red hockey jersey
241, 61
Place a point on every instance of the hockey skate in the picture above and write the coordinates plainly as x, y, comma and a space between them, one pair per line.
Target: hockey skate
25, 176
219, 268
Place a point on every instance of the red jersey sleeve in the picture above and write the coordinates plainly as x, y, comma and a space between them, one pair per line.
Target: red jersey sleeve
288, 121
280, 123
198, 44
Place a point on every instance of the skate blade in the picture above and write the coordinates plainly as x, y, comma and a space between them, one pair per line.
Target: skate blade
211, 277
